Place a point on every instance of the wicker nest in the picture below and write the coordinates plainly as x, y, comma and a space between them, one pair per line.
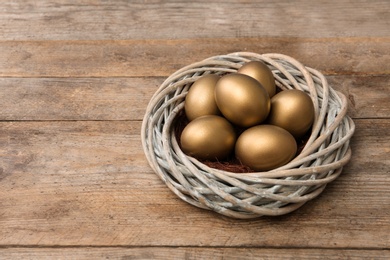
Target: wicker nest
252, 194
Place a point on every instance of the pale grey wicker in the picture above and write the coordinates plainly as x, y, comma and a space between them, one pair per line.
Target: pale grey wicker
249, 195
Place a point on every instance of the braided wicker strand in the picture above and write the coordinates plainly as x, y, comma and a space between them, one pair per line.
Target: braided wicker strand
249, 195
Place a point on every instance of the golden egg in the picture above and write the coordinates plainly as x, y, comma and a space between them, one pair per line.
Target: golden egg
292, 110
262, 73
242, 99
265, 147
200, 99
209, 138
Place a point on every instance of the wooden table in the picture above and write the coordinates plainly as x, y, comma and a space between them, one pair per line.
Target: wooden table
75, 80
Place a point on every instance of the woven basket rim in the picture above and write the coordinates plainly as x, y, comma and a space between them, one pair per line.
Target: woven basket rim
249, 195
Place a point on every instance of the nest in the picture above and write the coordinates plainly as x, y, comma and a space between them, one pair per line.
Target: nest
249, 194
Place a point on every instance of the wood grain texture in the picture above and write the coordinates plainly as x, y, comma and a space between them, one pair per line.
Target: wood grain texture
127, 98
75, 79
368, 96
148, 253
88, 183
98, 20
76, 98
139, 58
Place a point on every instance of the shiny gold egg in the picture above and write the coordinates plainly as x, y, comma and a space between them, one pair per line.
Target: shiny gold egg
242, 99
208, 137
262, 73
292, 110
200, 99
265, 147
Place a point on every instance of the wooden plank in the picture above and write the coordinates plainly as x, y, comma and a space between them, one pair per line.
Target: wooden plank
75, 98
81, 183
126, 98
368, 96
138, 58
64, 20
189, 253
